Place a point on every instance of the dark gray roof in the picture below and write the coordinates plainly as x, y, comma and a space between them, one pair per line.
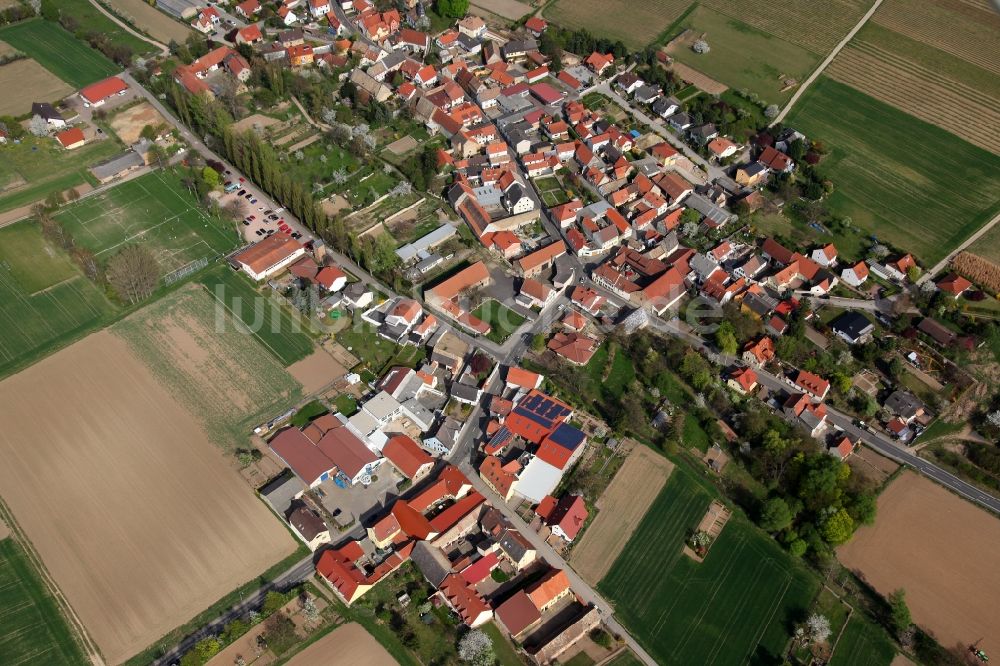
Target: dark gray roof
514, 544
280, 492
465, 392
431, 562
904, 404
852, 324
117, 165
307, 522
45, 110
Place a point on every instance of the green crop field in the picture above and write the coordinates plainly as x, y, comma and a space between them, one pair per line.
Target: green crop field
30, 170
742, 56
863, 644
32, 628
58, 51
635, 23
735, 607
502, 320
46, 301
907, 182
271, 322
154, 210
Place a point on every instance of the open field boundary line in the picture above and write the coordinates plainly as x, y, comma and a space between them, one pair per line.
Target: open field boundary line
76, 626
826, 62
243, 324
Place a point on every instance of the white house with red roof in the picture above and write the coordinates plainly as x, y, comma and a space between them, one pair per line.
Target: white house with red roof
565, 517
207, 21
855, 275
248, 9
825, 256
269, 257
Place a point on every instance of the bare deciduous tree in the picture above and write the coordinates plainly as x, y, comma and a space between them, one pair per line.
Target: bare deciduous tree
134, 273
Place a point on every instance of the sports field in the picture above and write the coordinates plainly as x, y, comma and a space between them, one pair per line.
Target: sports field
32, 628
141, 522
635, 23
735, 607
154, 210
907, 182
863, 644
46, 301
59, 52
742, 56
271, 322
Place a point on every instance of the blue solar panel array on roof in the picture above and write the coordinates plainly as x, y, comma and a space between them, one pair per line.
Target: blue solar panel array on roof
541, 409
567, 436
500, 436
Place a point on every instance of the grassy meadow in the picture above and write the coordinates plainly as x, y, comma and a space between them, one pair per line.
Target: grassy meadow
32, 628
32, 169
735, 607
742, 56
47, 301
904, 181
59, 51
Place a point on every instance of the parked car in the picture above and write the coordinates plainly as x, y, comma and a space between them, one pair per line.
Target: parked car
251, 217
246, 223
241, 193
248, 196
296, 235
253, 201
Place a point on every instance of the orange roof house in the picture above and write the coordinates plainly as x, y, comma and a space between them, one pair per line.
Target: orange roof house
501, 481
552, 587
535, 262
71, 138
743, 380
574, 347
406, 455
954, 284
522, 378
598, 62
465, 601
812, 384
759, 352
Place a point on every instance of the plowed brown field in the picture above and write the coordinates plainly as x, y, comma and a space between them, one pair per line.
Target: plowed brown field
939, 548
137, 516
622, 506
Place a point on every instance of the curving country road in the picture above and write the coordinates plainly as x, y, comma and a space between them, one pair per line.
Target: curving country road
164, 51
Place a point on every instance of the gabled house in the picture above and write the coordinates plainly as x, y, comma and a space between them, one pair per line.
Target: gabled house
759, 352
743, 380
855, 275
599, 63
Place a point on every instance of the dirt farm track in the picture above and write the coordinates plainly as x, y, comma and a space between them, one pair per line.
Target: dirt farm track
139, 519
941, 550
622, 507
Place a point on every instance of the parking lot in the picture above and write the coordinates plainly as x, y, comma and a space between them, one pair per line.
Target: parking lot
259, 221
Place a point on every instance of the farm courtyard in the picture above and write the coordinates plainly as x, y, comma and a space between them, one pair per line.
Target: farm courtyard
734, 607
140, 520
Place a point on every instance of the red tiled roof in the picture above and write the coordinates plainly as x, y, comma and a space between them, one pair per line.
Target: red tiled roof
481, 568
568, 79
539, 257
268, 252
812, 383
491, 470
569, 514
474, 274
406, 455
550, 587
536, 24
523, 378
469, 605
953, 284
518, 613
574, 346
95, 92
70, 137
454, 513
